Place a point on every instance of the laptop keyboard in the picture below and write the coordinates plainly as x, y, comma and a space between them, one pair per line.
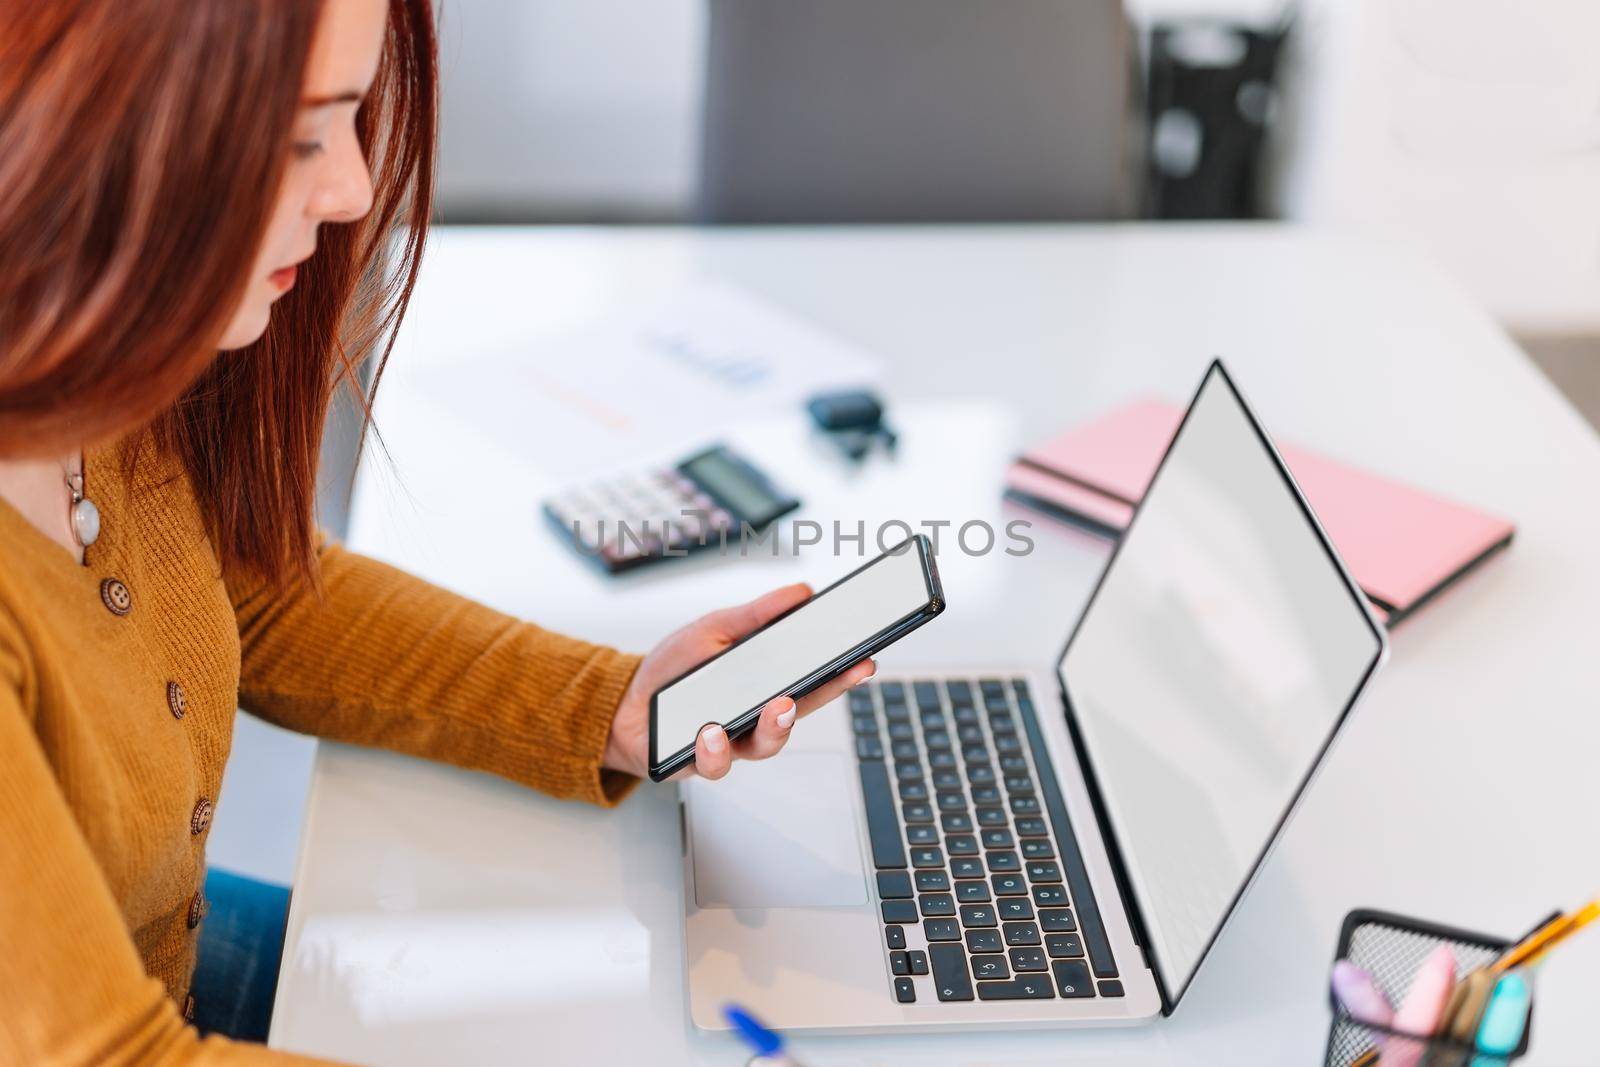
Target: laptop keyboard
981, 887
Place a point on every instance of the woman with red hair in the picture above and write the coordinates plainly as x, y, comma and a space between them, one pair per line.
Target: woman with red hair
208, 209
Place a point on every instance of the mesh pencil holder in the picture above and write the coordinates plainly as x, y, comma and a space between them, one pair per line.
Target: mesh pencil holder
1391, 948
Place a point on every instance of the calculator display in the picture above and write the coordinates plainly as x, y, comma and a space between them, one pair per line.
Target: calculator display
736, 486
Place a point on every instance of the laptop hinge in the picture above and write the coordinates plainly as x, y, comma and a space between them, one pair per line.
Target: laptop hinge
1119, 868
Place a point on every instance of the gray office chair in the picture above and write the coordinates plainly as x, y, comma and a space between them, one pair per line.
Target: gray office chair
918, 110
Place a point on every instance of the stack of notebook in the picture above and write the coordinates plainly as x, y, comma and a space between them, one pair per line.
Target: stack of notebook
1404, 546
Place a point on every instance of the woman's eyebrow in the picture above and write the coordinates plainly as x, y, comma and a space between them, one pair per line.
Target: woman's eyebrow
349, 96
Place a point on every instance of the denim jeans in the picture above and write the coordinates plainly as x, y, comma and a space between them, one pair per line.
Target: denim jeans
241, 947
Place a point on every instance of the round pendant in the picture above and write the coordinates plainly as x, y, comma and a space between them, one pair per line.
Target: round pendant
85, 522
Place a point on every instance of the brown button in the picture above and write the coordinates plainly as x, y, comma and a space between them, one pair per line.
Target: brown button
201, 817
188, 1008
176, 702
116, 597
197, 909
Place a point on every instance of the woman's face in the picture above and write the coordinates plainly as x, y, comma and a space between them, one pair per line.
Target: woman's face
327, 179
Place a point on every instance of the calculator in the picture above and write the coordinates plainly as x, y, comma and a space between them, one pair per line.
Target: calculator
623, 522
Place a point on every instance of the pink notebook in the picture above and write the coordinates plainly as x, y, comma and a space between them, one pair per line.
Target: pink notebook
1403, 545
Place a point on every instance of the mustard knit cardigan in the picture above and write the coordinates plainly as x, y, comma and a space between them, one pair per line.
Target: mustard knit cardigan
119, 680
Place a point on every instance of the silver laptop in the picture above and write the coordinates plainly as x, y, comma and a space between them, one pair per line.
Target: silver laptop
989, 848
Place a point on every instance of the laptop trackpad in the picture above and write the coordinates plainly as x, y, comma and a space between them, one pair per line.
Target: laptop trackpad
778, 834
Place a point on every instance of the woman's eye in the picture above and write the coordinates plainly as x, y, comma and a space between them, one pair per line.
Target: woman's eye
306, 149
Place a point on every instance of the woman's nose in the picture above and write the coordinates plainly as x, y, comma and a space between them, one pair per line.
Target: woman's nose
346, 193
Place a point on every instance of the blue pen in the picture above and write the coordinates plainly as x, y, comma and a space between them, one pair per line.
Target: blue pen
1500, 1032
768, 1044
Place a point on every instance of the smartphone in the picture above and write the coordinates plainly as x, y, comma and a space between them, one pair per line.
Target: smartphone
856, 617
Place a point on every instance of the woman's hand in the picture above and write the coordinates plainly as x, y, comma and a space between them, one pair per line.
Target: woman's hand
627, 749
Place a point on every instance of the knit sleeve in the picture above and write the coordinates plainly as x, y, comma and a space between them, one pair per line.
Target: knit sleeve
72, 986
386, 659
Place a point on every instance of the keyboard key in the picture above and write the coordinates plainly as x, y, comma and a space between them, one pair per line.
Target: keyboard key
918, 960
971, 892
998, 839
917, 812
894, 885
922, 835
904, 750
960, 692
984, 941
1018, 784
969, 733
946, 779
869, 748
1044, 871
932, 882
898, 963
860, 700
955, 822
952, 801
1029, 959
936, 739
990, 966
894, 936
941, 930
926, 693
976, 915
1002, 723
916, 789
1032, 826
1038, 850
899, 911
961, 845
908, 772
950, 977
1002, 861
1021, 933
980, 774
991, 687
1111, 989
1013, 763
941, 759
892, 691
865, 725
1016, 989
973, 755
1009, 885
1007, 743
932, 720
991, 817
905, 991
985, 794
937, 905
1072, 978
965, 713
1063, 946
927, 857
966, 868
1057, 920
901, 731
1024, 805
1016, 909
1047, 896
882, 827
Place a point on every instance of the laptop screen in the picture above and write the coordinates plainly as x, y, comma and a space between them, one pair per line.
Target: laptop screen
1222, 648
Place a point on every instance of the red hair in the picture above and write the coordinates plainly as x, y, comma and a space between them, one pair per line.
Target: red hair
142, 143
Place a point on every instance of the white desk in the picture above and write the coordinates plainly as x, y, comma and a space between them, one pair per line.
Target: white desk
444, 917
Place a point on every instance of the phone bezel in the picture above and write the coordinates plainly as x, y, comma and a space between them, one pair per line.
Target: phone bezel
744, 722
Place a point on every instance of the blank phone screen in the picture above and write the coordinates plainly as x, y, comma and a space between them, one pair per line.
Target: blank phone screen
842, 617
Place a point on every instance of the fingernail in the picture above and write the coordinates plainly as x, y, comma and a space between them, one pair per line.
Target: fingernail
715, 739
786, 716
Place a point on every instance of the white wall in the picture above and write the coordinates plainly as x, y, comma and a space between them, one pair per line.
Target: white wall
1469, 126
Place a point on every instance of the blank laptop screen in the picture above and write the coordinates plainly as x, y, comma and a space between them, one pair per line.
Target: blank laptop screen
1209, 672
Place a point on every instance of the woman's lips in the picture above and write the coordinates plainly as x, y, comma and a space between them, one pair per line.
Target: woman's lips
283, 278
